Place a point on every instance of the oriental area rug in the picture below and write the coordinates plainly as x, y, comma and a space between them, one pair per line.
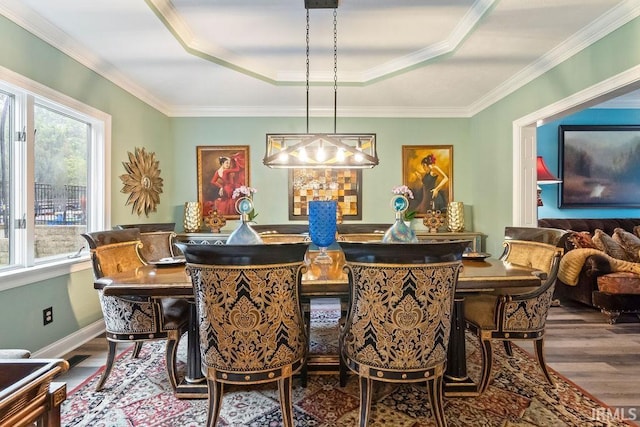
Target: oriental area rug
138, 393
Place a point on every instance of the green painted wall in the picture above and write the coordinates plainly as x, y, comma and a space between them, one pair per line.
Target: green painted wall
482, 159
491, 129
272, 198
134, 124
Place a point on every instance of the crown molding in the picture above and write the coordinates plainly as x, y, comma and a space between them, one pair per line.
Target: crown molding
609, 22
171, 19
43, 29
26, 18
342, 112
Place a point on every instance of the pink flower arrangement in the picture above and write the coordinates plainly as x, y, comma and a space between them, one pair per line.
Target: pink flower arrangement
404, 190
243, 191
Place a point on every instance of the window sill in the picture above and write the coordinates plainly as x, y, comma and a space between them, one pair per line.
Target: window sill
25, 276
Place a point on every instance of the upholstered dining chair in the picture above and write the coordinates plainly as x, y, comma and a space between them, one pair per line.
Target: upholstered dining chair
157, 245
399, 321
511, 314
251, 326
134, 318
157, 240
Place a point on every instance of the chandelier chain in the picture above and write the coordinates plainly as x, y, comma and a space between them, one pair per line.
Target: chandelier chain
307, 73
335, 69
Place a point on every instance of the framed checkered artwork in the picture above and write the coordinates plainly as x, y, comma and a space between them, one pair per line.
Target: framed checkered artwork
343, 185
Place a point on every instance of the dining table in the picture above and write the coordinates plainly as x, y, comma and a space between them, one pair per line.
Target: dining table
322, 281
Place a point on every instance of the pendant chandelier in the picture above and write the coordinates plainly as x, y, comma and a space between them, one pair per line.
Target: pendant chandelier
322, 150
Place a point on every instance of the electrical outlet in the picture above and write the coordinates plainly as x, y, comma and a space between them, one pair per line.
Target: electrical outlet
47, 315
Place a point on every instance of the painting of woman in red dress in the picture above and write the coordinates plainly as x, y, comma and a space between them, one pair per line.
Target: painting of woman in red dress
220, 171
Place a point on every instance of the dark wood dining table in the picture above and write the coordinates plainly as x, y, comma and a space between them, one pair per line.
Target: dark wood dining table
173, 281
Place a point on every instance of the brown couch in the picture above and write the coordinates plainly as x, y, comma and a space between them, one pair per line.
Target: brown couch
595, 264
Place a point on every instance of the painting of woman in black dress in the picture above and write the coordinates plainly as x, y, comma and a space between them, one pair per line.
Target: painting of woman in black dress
427, 171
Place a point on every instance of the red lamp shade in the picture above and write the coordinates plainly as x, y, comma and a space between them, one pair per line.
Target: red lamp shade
544, 176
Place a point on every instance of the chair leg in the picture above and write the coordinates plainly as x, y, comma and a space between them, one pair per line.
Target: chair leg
366, 391
487, 362
171, 352
304, 372
286, 401
136, 349
342, 365
434, 389
215, 390
539, 344
343, 371
111, 356
507, 348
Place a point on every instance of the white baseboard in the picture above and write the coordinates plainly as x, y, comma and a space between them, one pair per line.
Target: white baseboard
61, 347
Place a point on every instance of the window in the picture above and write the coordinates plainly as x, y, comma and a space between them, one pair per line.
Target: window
53, 175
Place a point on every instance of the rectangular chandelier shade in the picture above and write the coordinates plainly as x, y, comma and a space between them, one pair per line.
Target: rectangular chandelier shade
321, 150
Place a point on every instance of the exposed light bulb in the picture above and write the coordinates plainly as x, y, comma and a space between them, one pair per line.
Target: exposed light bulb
303, 154
320, 154
284, 154
340, 154
358, 156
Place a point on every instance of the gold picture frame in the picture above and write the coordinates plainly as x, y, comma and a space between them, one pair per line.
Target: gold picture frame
343, 185
221, 169
436, 162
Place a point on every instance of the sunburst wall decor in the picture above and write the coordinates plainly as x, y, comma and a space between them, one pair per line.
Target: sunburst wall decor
142, 181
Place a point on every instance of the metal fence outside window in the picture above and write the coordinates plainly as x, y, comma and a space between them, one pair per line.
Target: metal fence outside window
60, 205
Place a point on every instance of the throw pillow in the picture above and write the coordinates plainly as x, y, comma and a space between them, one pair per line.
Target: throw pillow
629, 241
605, 243
581, 239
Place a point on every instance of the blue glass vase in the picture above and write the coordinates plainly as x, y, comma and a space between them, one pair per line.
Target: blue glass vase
322, 227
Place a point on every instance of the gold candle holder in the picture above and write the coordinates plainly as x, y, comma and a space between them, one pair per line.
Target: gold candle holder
215, 222
192, 217
433, 220
455, 217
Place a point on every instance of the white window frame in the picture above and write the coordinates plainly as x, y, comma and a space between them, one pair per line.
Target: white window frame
27, 93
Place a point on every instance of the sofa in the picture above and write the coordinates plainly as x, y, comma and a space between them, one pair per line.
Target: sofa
601, 265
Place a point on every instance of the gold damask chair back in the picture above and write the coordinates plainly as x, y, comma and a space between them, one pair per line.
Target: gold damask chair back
399, 321
515, 316
251, 326
134, 318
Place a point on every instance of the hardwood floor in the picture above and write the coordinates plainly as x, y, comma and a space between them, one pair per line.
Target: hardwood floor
601, 358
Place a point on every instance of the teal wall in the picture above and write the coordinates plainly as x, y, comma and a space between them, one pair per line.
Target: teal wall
548, 147
482, 159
